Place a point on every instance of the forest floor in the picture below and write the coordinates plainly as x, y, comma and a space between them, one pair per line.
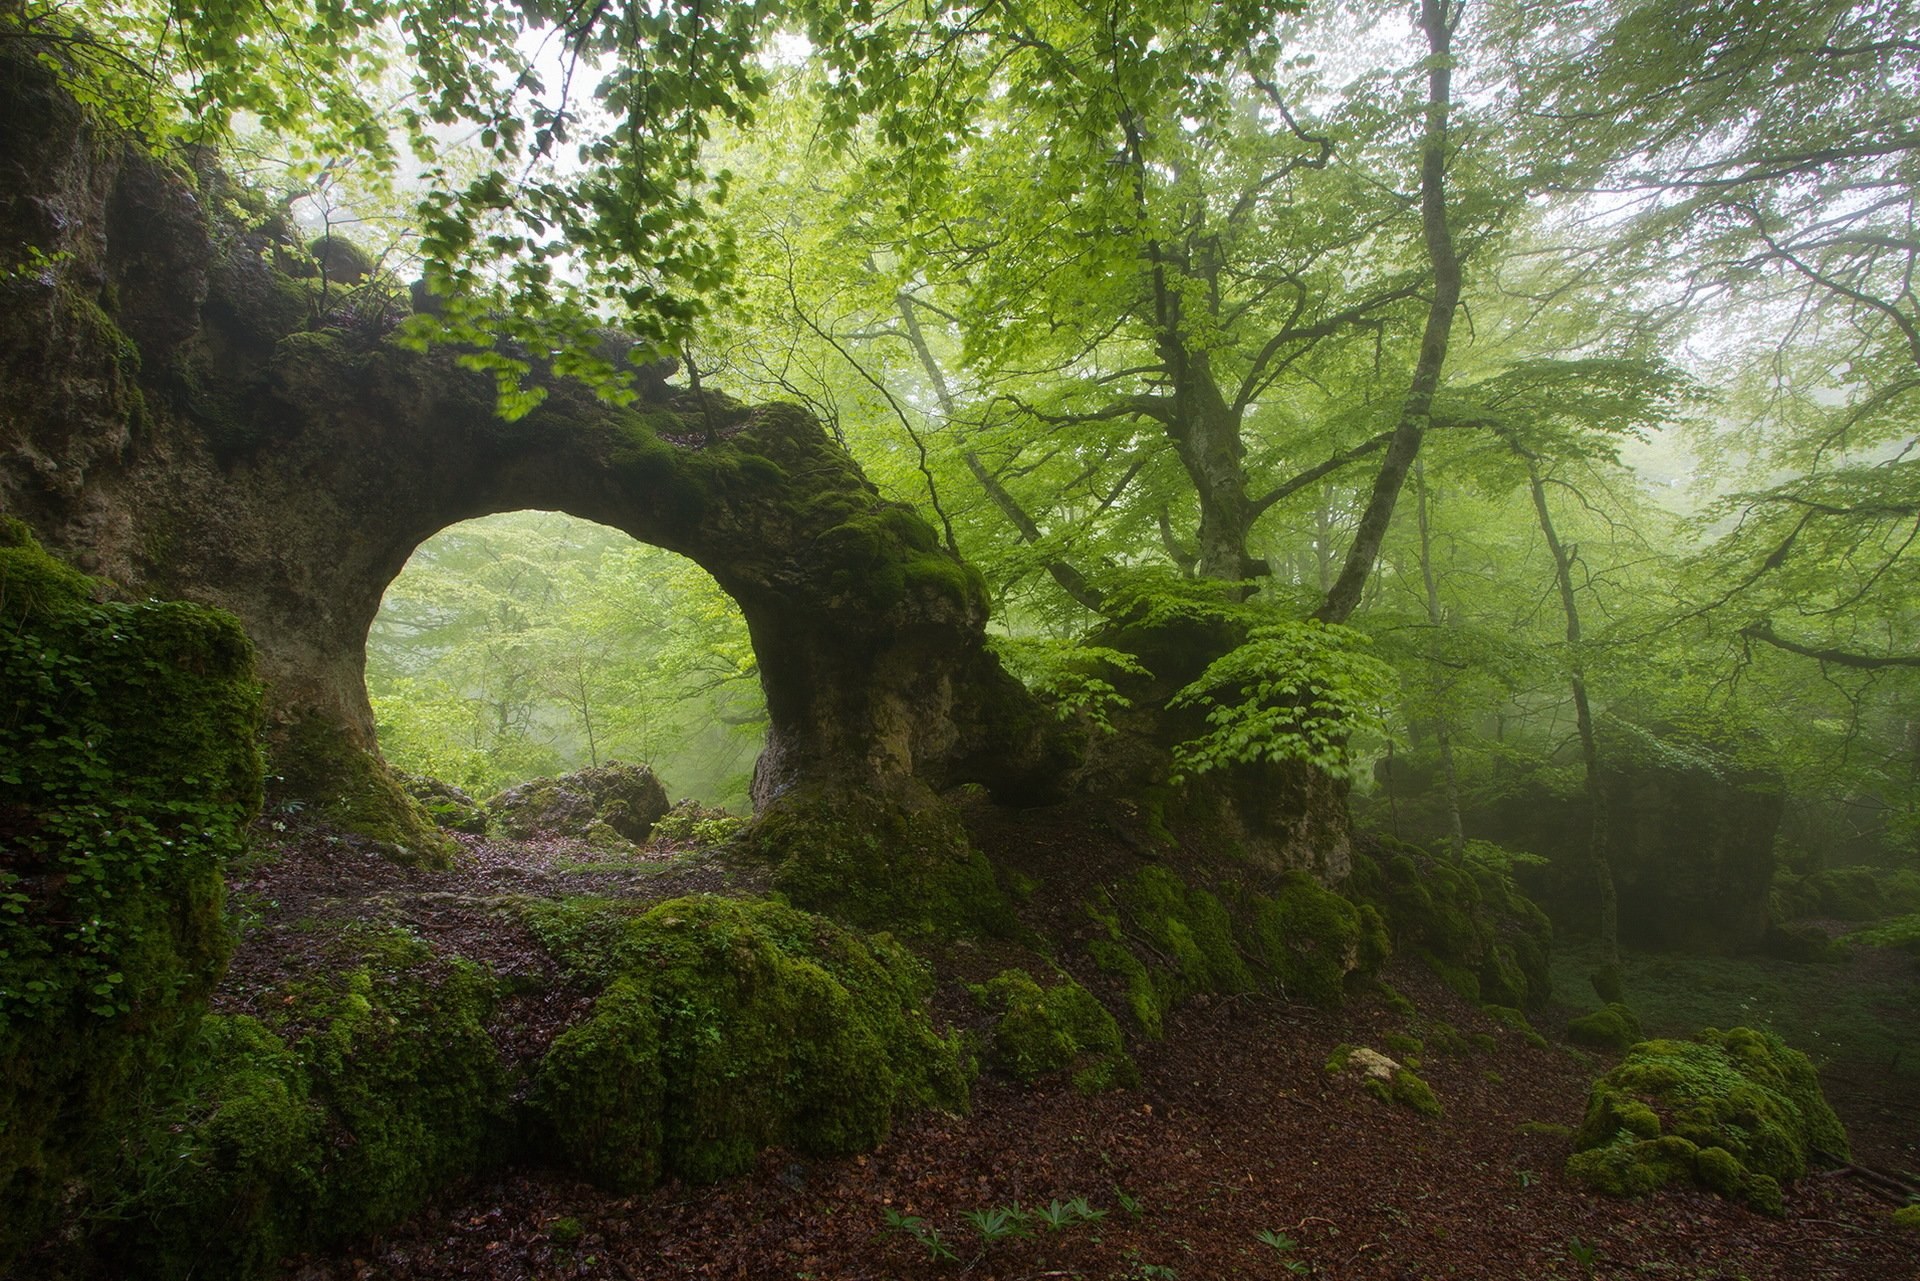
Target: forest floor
1237, 1156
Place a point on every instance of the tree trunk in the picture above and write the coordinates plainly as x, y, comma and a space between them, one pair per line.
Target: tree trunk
1436, 17
1443, 735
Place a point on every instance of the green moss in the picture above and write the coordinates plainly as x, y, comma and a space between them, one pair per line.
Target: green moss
316, 763
1407, 1089
33, 584
1188, 925
129, 766
1148, 999
880, 866
1908, 1217
373, 1085
1060, 1028
1510, 1017
1403, 1046
1612, 1028
1742, 1094
1310, 940
1545, 1130
1486, 940
729, 1027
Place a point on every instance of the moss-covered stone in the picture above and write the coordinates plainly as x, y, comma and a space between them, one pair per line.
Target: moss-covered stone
451, 809
315, 763
624, 800
1741, 1094
1485, 939
1311, 939
1059, 1028
1386, 1079
130, 771
369, 1085
1614, 1028
731, 1026
1907, 1217
878, 864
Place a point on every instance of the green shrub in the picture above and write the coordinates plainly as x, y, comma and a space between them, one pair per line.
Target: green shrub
1737, 1111
731, 1026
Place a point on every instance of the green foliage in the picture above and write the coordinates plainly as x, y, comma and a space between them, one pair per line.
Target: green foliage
1059, 1028
1738, 1111
1072, 677
1291, 692
730, 1026
129, 763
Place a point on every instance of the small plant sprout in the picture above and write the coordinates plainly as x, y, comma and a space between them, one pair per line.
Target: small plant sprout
1282, 1244
915, 1226
999, 1222
1583, 1254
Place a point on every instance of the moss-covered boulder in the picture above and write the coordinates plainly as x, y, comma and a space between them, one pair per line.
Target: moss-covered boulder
1737, 1111
616, 799
1386, 1079
1614, 1027
451, 809
1061, 1028
726, 1027
1312, 939
364, 1087
129, 771
317, 763
879, 858
1478, 932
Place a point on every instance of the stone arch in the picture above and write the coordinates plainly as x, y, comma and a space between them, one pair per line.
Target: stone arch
180, 417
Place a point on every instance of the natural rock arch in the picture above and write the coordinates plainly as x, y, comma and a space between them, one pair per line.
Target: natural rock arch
183, 418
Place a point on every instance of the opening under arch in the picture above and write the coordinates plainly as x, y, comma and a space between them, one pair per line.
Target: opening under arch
534, 643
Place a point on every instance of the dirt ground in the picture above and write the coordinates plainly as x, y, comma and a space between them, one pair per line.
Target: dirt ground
1239, 1155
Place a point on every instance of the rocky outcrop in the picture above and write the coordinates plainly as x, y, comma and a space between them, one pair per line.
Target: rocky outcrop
611, 801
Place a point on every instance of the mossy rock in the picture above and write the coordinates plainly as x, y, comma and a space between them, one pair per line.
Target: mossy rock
730, 1026
1743, 1094
1312, 940
623, 800
1907, 1217
1614, 1028
315, 763
1384, 1078
1062, 1028
879, 862
130, 771
1465, 917
451, 809
374, 1085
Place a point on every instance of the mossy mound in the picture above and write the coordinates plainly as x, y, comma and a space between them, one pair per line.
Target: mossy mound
1614, 1028
729, 1026
1061, 1028
1482, 936
880, 863
1856, 893
365, 1089
315, 763
1737, 1111
451, 809
611, 802
1166, 941
129, 771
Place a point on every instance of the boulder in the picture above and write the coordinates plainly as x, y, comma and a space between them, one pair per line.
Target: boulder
628, 799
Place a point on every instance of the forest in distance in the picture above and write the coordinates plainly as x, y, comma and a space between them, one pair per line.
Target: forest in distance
1139, 641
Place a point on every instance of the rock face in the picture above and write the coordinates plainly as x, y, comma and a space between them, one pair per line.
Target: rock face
1691, 842
625, 800
182, 417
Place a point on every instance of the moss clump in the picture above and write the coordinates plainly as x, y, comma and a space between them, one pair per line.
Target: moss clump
130, 771
1311, 939
369, 1085
1485, 939
451, 809
1406, 1088
352, 788
728, 1027
608, 805
1061, 1028
1908, 1217
879, 864
1857, 893
1614, 1028
1186, 931
1742, 1094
